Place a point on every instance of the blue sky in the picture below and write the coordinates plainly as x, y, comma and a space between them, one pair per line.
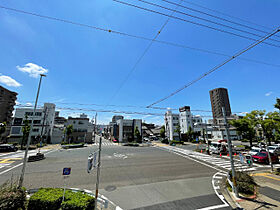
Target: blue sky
86, 66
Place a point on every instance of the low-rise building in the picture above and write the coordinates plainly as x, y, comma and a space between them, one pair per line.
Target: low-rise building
126, 130
82, 129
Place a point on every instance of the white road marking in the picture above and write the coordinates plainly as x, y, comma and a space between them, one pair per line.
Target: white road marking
10, 168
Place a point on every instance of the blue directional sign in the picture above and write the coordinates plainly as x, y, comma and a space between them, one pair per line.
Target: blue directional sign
66, 171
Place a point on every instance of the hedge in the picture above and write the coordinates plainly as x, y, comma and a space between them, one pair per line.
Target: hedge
77, 201
46, 199
11, 197
50, 198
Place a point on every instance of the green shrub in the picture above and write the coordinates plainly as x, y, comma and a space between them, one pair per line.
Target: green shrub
46, 199
77, 201
177, 142
51, 199
11, 197
245, 183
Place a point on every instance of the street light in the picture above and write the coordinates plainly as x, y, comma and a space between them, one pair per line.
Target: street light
29, 135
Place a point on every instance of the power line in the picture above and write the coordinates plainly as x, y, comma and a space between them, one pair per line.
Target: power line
217, 17
20, 104
133, 36
192, 22
203, 19
224, 14
141, 57
216, 67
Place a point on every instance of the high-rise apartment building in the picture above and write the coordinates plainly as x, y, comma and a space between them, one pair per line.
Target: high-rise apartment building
7, 102
219, 98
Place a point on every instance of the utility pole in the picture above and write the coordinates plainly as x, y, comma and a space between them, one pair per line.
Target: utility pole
29, 135
230, 154
98, 169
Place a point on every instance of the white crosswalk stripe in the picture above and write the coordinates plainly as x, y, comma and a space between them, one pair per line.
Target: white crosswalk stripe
105, 143
222, 163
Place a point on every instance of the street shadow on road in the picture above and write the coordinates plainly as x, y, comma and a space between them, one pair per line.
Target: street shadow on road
263, 204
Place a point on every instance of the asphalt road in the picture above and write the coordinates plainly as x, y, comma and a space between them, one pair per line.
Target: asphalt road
131, 177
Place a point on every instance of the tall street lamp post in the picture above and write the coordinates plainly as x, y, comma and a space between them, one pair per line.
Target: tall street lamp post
29, 135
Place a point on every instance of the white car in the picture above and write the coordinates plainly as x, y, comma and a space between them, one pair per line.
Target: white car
255, 150
274, 149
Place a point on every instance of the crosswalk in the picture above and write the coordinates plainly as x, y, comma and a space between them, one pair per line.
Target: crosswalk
216, 161
7, 159
105, 142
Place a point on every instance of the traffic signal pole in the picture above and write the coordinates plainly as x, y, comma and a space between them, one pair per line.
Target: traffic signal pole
230, 154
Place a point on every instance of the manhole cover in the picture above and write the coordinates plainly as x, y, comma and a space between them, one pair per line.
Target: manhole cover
110, 188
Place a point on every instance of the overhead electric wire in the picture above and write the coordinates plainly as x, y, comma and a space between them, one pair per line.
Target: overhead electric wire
217, 17
206, 20
227, 15
216, 67
132, 36
140, 58
192, 22
21, 104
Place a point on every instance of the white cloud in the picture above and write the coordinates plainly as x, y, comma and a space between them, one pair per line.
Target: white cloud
9, 81
28, 104
33, 69
269, 93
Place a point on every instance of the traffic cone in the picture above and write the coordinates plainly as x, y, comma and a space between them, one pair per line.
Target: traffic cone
227, 154
200, 151
234, 154
220, 154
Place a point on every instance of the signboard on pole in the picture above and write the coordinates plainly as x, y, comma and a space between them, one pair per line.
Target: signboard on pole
91, 162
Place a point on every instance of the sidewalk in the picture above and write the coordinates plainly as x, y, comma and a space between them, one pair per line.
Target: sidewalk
268, 196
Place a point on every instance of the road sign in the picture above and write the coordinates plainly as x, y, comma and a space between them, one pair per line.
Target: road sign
66, 171
91, 162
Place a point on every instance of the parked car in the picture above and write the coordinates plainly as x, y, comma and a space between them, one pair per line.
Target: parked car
115, 140
256, 150
274, 149
222, 140
146, 139
262, 157
7, 148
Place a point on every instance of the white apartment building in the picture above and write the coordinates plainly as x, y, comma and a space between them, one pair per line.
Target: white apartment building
186, 119
43, 122
171, 122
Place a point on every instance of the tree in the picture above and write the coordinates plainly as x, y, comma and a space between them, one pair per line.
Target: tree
244, 128
277, 105
162, 132
68, 131
25, 132
2, 129
190, 135
137, 134
271, 125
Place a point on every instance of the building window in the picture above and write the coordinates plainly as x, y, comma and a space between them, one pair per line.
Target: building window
38, 113
35, 130
17, 121
16, 130
36, 121
29, 113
